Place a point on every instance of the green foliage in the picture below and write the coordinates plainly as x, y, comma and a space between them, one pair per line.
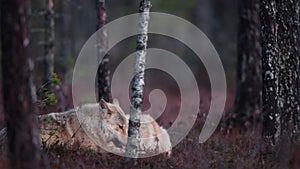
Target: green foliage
48, 119
52, 98
54, 79
54, 130
47, 97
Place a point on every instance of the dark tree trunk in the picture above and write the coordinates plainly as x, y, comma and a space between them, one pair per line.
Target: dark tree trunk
269, 66
248, 103
288, 21
49, 41
21, 126
103, 79
280, 34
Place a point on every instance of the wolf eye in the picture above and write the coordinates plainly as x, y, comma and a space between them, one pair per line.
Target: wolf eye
109, 113
121, 127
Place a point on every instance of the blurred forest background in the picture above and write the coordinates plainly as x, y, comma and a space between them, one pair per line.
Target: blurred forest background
234, 29
76, 21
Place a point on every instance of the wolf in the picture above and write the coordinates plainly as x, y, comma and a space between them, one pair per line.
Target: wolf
154, 138
106, 126
88, 126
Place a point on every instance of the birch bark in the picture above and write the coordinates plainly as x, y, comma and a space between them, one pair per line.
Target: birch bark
134, 138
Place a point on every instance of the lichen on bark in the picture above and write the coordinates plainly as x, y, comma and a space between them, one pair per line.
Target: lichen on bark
280, 41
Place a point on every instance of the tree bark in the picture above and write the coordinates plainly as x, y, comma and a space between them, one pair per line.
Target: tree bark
269, 66
103, 79
134, 138
280, 41
248, 103
21, 126
49, 41
288, 20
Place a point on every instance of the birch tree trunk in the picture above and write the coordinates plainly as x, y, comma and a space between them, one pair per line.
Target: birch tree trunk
134, 138
248, 101
22, 132
103, 79
280, 35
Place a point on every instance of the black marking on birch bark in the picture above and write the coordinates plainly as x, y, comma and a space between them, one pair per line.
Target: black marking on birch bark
144, 5
135, 123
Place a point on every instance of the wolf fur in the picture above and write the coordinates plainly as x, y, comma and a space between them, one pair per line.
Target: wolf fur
106, 127
154, 138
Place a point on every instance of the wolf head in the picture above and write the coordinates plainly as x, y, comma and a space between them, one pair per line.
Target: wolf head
154, 137
114, 115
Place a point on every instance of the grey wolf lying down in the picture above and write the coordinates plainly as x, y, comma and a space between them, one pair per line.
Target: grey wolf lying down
99, 129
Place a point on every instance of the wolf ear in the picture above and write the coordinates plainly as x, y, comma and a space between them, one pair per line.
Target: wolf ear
116, 102
107, 106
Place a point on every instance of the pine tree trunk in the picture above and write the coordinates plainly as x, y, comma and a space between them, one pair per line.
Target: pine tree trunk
134, 138
103, 80
269, 61
288, 21
21, 126
280, 42
248, 103
49, 40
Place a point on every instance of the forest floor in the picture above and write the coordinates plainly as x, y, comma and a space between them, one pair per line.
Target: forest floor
233, 150
223, 150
